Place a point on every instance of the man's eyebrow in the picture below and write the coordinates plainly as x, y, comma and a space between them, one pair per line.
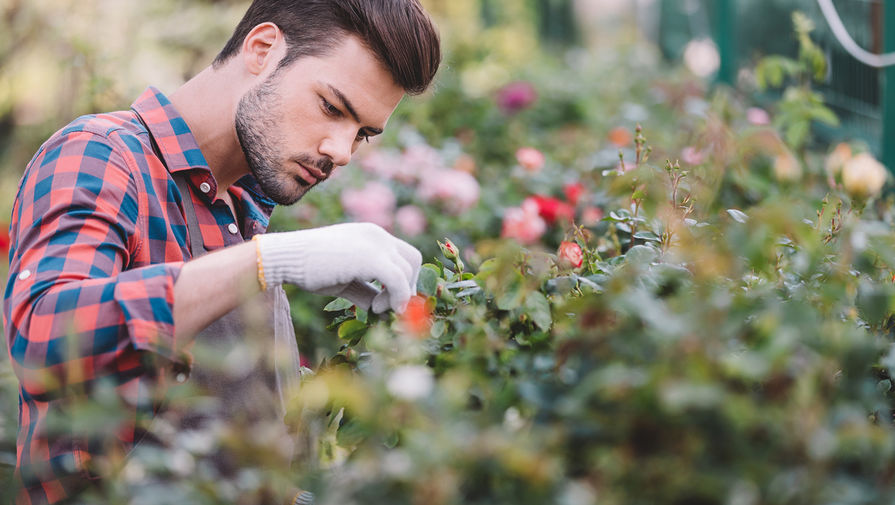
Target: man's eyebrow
347, 104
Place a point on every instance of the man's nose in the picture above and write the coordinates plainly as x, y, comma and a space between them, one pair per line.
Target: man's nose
337, 149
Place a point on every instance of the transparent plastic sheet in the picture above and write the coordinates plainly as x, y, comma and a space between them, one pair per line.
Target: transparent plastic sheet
286, 356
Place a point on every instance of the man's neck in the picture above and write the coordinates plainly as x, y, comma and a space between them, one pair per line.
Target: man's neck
209, 111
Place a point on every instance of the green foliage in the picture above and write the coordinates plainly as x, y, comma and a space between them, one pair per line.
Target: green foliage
800, 105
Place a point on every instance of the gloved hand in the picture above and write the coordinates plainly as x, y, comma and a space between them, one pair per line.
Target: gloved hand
340, 260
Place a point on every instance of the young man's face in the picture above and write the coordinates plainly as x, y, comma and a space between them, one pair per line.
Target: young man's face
311, 116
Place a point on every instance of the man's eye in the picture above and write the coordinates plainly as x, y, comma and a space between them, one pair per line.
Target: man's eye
362, 136
330, 108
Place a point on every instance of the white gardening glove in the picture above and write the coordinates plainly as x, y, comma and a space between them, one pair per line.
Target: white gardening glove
341, 260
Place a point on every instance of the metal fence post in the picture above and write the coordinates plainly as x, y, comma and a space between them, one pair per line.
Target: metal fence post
888, 95
725, 38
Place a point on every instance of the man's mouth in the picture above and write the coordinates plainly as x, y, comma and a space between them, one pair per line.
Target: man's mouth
309, 175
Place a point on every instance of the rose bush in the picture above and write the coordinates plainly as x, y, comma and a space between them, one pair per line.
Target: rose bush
680, 304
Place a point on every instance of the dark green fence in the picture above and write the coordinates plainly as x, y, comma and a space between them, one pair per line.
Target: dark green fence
745, 30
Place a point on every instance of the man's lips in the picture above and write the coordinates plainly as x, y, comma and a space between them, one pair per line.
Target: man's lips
310, 175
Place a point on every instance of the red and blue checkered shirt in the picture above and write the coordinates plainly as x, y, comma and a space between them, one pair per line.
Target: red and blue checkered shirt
98, 237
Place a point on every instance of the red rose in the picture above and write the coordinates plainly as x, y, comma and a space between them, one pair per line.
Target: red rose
570, 255
4, 239
417, 318
573, 192
552, 209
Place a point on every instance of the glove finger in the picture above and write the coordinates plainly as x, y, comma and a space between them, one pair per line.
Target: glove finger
414, 259
406, 268
395, 282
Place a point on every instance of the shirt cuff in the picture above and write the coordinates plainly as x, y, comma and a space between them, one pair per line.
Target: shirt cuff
146, 298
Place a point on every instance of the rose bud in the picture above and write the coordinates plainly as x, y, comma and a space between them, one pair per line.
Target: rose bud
569, 255
451, 252
449, 249
863, 176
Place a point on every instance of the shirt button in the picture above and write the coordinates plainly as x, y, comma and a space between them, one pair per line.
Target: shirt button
233, 228
205, 187
24, 275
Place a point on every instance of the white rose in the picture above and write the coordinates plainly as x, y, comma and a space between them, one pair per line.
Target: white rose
410, 382
863, 176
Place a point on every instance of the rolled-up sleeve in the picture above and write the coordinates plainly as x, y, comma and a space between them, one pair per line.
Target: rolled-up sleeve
75, 308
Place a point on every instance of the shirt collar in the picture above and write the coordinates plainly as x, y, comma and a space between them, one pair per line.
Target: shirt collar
176, 142
181, 152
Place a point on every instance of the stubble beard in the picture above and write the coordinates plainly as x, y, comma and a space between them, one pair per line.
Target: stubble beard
256, 129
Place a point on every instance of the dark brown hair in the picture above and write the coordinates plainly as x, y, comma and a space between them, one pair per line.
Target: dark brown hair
398, 32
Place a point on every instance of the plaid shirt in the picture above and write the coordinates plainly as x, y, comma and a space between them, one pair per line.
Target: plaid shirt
98, 238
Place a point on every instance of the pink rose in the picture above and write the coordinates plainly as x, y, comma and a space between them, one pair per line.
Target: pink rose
415, 160
457, 191
530, 158
591, 216
411, 220
381, 163
523, 223
516, 96
692, 156
570, 255
374, 203
757, 116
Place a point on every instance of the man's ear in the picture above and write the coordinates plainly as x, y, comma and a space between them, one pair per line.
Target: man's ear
261, 49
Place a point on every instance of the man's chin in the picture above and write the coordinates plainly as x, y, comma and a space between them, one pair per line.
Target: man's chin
285, 197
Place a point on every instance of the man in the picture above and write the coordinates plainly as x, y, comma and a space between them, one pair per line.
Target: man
109, 280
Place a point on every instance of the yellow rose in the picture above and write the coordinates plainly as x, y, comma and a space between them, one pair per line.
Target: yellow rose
863, 176
837, 159
787, 167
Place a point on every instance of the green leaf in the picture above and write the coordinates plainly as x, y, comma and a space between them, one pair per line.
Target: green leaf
873, 302
351, 433
738, 215
824, 115
797, 133
510, 299
438, 329
647, 235
351, 329
427, 283
337, 305
538, 308
641, 254
487, 267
